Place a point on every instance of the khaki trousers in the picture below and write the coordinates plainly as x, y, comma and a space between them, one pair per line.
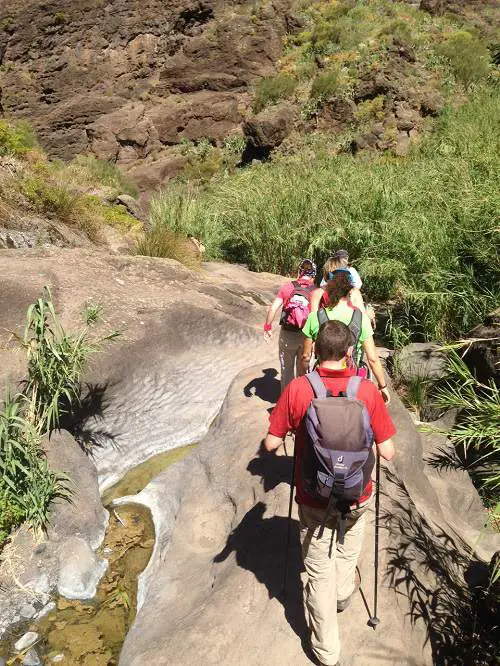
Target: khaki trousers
290, 350
329, 577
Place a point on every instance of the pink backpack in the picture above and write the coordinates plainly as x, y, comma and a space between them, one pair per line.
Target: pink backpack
297, 308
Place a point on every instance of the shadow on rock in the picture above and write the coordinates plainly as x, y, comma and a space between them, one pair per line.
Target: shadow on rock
259, 545
83, 420
446, 587
267, 387
271, 468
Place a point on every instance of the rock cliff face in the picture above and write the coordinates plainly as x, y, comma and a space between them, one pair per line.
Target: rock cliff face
126, 79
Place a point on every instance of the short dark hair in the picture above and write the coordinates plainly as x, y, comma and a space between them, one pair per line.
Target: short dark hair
333, 341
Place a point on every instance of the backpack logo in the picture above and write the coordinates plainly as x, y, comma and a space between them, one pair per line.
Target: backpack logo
340, 459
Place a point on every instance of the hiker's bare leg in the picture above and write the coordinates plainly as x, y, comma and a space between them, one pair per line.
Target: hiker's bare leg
320, 592
348, 553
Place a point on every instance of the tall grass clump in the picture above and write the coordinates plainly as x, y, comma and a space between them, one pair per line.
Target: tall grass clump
423, 230
271, 89
48, 396
476, 433
101, 173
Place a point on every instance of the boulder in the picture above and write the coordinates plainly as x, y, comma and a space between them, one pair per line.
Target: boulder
268, 128
483, 356
420, 360
336, 113
80, 569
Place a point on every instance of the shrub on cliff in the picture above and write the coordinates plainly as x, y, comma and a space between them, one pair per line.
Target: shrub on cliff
273, 88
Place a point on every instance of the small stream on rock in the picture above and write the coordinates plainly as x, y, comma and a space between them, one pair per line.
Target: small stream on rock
91, 632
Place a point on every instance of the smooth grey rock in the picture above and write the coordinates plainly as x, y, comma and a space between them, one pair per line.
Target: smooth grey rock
84, 516
26, 641
420, 359
31, 658
81, 570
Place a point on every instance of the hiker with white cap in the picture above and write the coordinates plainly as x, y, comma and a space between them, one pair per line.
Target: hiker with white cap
294, 299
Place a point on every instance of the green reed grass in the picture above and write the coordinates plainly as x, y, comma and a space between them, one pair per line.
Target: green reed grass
423, 231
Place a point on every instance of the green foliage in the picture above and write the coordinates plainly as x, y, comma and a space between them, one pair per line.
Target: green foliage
49, 198
161, 241
271, 89
56, 361
326, 84
468, 57
477, 428
103, 173
16, 138
421, 230
49, 393
59, 18
117, 216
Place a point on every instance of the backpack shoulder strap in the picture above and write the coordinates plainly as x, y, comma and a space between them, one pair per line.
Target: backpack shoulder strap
317, 385
352, 387
322, 317
356, 324
295, 284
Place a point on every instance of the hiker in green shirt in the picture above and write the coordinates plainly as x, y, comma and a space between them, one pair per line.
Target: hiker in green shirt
341, 309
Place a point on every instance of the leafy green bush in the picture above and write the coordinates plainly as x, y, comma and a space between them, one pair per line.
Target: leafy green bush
326, 84
17, 138
468, 57
273, 88
421, 230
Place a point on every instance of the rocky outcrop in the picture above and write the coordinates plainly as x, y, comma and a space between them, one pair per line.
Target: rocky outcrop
483, 355
267, 129
126, 80
420, 360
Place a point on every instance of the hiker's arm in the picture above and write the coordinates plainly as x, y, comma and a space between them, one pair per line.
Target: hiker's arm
316, 297
386, 449
271, 443
306, 356
271, 314
357, 299
376, 367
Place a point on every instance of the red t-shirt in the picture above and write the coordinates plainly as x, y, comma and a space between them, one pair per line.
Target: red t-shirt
287, 289
293, 404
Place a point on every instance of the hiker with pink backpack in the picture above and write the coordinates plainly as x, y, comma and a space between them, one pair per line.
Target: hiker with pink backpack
294, 299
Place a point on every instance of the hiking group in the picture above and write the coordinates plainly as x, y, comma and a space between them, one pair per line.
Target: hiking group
341, 424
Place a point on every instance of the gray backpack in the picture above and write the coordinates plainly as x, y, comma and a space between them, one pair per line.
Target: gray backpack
338, 459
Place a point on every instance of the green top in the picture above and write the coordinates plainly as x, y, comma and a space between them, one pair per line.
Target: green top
341, 312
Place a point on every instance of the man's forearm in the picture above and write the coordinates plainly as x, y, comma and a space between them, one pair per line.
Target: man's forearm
272, 442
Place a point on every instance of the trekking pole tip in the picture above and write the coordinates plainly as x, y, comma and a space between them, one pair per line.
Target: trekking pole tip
374, 621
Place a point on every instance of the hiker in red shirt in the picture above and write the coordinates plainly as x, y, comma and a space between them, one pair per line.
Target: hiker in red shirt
294, 298
347, 420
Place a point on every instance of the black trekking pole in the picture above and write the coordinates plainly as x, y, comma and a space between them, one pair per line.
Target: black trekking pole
374, 620
289, 525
